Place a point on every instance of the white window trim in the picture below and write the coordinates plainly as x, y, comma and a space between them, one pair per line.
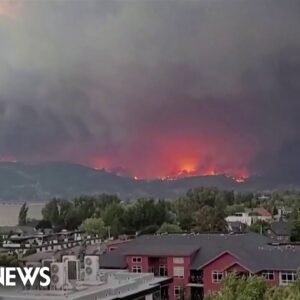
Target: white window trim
216, 272
136, 267
164, 267
136, 259
178, 260
176, 276
285, 282
180, 289
266, 275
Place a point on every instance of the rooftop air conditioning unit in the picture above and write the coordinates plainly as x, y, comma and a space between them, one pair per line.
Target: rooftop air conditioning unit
47, 262
91, 268
72, 267
57, 271
66, 258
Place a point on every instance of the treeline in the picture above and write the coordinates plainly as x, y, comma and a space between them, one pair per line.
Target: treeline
254, 288
199, 210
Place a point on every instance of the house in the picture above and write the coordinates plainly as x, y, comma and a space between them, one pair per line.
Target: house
198, 263
280, 231
40, 242
236, 227
241, 217
263, 214
250, 216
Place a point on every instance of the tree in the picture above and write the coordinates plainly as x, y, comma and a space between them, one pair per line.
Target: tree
295, 231
112, 217
23, 215
143, 213
43, 224
61, 213
241, 288
8, 261
94, 226
51, 212
169, 228
254, 288
208, 219
260, 226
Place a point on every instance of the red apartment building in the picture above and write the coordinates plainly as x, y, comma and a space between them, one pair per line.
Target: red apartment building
199, 263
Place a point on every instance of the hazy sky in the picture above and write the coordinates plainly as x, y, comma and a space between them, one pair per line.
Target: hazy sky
152, 87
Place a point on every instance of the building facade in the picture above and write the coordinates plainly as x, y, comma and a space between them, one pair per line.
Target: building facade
198, 264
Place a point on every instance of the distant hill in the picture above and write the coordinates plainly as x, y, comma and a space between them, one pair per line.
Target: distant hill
43, 181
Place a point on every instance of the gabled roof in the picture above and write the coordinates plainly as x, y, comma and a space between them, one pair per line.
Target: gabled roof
201, 247
251, 250
281, 228
113, 260
263, 212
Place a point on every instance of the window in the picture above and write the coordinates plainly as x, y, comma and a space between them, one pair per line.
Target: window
163, 270
178, 272
178, 260
287, 278
178, 292
137, 259
136, 269
268, 275
217, 276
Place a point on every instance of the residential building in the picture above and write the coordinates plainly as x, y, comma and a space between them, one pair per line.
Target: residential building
199, 263
250, 216
280, 231
18, 243
241, 217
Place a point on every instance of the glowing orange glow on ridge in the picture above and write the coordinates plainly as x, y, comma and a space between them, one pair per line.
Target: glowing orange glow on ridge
172, 156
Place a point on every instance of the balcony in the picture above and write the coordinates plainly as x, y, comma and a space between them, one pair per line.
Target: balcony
197, 279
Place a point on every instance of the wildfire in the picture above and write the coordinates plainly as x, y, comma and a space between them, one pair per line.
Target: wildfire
171, 157
240, 179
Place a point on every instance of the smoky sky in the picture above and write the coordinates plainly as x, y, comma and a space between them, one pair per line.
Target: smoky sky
150, 87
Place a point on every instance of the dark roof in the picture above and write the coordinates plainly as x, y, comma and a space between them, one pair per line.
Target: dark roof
252, 250
280, 228
158, 245
113, 260
203, 247
272, 258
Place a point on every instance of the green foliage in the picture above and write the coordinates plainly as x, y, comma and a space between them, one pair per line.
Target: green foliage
94, 226
209, 219
203, 209
254, 288
23, 214
43, 224
200, 210
30, 252
169, 228
8, 261
295, 231
51, 212
260, 226
144, 213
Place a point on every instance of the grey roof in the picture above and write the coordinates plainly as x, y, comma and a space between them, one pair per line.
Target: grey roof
161, 245
26, 230
285, 258
113, 260
38, 257
281, 228
252, 250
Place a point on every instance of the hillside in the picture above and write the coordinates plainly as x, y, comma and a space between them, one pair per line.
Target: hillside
40, 182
